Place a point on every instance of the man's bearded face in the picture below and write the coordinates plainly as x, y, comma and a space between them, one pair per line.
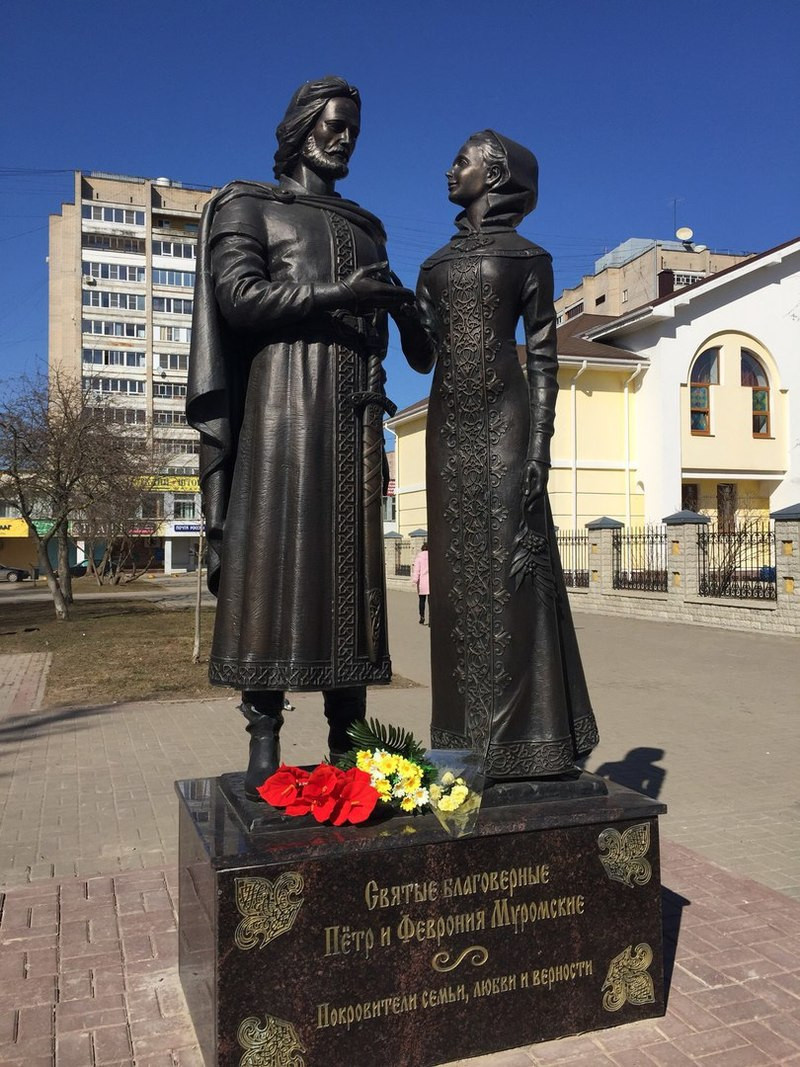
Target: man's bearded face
330, 144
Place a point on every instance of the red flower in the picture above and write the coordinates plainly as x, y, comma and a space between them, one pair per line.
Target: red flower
327, 793
321, 791
284, 787
356, 798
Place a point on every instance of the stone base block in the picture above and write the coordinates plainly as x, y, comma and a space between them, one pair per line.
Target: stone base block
304, 945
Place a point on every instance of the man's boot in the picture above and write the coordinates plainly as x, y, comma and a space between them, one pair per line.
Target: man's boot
263, 711
343, 707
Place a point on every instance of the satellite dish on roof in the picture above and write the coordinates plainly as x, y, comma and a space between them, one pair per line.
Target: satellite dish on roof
684, 233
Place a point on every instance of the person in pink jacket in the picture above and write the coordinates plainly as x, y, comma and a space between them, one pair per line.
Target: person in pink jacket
419, 576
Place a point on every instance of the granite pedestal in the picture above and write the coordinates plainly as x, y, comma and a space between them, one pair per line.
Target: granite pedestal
303, 945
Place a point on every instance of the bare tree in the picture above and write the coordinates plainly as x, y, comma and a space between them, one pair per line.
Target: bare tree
62, 458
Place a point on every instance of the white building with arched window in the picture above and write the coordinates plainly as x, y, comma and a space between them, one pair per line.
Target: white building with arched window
718, 407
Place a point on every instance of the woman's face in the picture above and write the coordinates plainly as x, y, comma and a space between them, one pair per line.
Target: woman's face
468, 177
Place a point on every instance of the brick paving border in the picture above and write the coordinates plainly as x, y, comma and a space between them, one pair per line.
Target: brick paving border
89, 978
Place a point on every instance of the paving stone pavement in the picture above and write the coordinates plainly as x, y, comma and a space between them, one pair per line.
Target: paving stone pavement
88, 944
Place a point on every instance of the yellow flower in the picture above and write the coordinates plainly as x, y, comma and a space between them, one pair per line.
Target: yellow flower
411, 782
384, 788
448, 778
364, 760
435, 792
408, 804
385, 762
459, 794
447, 803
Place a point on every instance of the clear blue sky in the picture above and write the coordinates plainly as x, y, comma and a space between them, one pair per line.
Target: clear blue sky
628, 105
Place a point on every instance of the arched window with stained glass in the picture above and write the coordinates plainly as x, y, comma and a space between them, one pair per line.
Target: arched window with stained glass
705, 373
754, 377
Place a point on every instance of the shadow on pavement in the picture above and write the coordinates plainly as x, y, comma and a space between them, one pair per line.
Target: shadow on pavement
637, 771
672, 905
18, 727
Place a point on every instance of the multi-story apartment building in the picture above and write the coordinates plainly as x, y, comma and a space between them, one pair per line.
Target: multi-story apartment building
122, 271
640, 270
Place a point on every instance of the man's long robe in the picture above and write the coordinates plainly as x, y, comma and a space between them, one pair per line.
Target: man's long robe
287, 394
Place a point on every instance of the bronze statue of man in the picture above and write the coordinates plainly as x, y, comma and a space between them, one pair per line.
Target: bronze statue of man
286, 387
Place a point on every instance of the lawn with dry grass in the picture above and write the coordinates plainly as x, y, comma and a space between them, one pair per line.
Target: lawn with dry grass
117, 650
112, 650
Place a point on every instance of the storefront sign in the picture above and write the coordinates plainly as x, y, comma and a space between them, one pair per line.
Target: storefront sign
13, 528
186, 527
174, 483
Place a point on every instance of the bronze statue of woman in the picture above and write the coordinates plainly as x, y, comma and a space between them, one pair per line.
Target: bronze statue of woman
507, 678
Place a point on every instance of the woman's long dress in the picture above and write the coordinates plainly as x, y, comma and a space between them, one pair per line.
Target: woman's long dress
506, 673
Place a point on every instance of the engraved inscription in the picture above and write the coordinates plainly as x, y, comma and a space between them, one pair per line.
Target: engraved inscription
268, 908
275, 1044
627, 981
625, 854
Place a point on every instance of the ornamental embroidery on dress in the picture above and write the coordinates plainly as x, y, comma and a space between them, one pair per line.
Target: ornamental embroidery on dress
472, 430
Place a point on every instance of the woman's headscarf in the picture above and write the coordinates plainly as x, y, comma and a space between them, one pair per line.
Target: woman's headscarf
516, 196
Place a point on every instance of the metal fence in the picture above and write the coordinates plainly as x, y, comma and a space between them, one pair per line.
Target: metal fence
640, 559
573, 547
399, 553
737, 564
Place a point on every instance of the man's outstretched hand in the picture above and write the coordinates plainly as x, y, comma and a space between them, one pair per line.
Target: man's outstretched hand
373, 288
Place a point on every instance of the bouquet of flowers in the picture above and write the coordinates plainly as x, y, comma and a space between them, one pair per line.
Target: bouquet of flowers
387, 769
455, 797
395, 762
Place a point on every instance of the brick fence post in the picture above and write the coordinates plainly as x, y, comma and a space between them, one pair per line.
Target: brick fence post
601, 554
683, 553
787, 562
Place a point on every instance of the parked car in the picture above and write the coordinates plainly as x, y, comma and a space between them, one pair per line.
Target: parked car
13, 574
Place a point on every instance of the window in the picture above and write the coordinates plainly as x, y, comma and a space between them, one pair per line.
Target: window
726, 507
152, 506
690, 496
183, 278
624, 296
173, 305
116, 272
171, 361
575, 310
178, 249
118, 385
98, 298
687, 277
179, 448
185, 507
600, 300
113, 244
134, 416
705, 373
170, 418
169, 389
181, 334
754, 377
109, 328
109, 357
126, 216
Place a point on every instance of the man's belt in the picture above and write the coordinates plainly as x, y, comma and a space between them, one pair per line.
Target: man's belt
359, 401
